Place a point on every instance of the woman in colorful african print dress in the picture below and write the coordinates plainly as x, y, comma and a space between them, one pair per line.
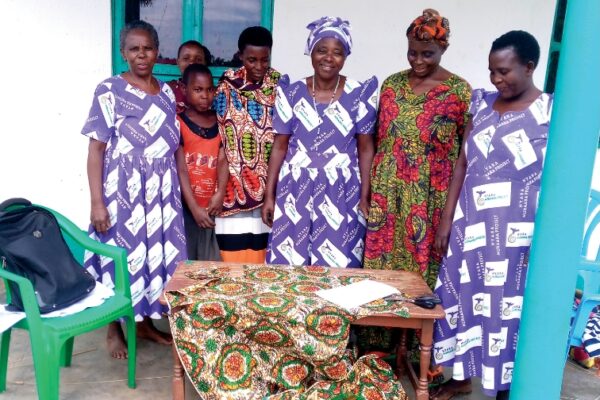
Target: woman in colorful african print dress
134, 188
324, 126
422, 116
489, 220
244, 104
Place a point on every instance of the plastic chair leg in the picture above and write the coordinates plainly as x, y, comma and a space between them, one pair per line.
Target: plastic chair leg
67, 353
581, 319
131, 350
4, 346
46, 362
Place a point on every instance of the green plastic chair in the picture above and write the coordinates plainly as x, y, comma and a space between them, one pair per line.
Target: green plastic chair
52, 338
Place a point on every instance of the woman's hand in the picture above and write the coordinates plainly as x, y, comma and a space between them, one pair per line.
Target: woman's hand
100, 218
267, 211
202, 218
442, 235
215, 205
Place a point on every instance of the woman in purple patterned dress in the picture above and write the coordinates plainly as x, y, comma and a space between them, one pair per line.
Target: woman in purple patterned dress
135, 197
487, 224
324, 127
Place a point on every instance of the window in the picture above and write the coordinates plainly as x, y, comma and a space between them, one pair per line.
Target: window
555, 44
214, 23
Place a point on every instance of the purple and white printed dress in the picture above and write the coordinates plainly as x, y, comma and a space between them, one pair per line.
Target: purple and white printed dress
482, 278
316, 219
141, 188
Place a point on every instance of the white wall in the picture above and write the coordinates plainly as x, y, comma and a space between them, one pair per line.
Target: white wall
54, 53
379, 33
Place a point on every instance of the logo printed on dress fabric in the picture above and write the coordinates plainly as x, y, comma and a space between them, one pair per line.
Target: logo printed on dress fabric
153, 220
152, 186
168, 216
483, 140
155, 256
331, 213
332, 255
362, 111
153, 119
138, 290
136, 259
306, 114
495, 273
458, 213
492, 195
300, 159
458, 371
134, 185
111, 183
123, 146
136, 221
487, 377
468, 339
340, 117
290, 209
135, 91
482, 304
359, 249
155, 289
284, 110
452, 316
541, 109
518, 144
497, 342
465, 277
113, 208
350, 85
167, 185
107, 105
444, 350
507, 372
170, 252
512, 307
475, 236
157, 149
519, 234
288, 251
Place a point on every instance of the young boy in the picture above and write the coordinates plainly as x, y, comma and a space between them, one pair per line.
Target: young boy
202, 165
190, 52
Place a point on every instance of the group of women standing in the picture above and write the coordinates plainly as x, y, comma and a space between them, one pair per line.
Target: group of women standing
451, 178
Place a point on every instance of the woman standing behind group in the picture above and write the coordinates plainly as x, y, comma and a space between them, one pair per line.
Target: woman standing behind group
422, 117
324, 126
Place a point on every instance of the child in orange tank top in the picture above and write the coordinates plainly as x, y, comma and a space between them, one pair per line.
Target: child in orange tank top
204, 180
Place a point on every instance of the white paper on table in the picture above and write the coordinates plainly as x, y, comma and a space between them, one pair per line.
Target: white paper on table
356, 294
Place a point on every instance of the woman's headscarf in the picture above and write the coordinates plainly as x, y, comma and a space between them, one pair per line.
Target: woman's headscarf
325, 27
430, 26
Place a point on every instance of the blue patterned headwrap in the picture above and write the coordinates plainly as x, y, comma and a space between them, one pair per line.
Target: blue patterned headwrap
326, 27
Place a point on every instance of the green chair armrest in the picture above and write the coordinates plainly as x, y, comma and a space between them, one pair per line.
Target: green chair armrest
27, 295
118, 254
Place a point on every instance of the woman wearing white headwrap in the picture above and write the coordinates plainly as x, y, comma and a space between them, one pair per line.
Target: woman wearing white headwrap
317, 190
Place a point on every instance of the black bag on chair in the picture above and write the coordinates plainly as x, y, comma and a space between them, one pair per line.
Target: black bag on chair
32, 246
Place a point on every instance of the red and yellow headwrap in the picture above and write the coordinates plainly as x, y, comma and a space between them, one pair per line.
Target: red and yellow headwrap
430, 26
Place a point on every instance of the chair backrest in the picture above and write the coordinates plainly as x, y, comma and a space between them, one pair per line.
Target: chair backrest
588, 279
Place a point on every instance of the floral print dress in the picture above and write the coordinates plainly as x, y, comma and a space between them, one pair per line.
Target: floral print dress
418, 141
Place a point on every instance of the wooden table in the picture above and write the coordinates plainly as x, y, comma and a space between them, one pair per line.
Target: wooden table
410, 283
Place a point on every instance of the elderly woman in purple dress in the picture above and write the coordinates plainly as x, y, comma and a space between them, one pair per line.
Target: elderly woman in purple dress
317, 189
488, 222
134, 188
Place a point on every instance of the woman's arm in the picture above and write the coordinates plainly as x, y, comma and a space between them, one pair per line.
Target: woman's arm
280, 147
442, 235
95, 164
199, 213
366, 150
216, 201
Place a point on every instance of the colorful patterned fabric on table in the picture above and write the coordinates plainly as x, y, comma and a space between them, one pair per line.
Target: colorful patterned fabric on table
316, 218
418, 141
482, 279
267, 334
141, 188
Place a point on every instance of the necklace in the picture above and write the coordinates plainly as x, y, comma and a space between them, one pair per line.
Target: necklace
328, 110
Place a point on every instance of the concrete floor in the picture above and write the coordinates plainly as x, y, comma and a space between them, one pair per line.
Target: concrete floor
94, 375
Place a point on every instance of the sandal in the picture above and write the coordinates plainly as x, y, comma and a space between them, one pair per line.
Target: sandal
449, 389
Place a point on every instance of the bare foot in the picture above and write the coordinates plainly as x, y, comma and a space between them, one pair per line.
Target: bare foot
146, 330
451, 388
597, 365
115, 341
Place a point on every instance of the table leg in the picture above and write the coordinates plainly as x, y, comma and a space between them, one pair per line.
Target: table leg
422, 390
401, 359
178, 382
